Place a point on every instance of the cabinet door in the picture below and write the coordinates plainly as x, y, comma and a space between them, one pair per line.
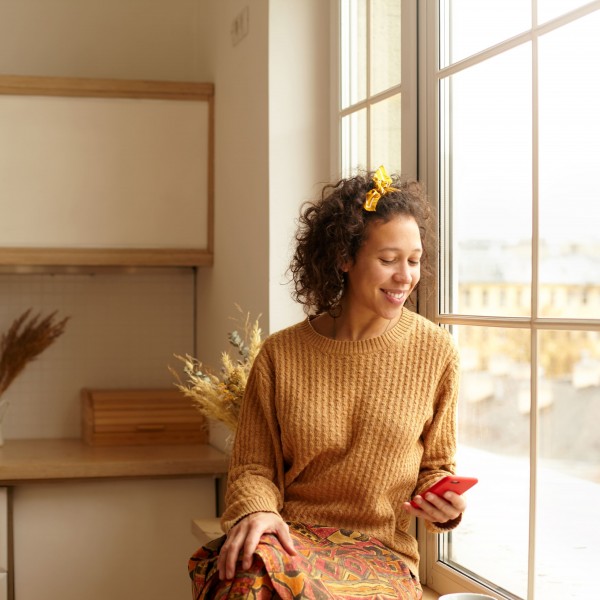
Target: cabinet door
3, 586
107, 540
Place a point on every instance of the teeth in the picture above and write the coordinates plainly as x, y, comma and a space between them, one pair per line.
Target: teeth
397, 296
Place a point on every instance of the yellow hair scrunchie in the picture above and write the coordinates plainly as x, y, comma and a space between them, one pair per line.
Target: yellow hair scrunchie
382, 182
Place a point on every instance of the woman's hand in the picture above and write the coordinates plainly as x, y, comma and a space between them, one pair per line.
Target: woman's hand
243, 539
437, 509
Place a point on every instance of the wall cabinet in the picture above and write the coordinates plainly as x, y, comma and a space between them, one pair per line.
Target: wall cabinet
102, 522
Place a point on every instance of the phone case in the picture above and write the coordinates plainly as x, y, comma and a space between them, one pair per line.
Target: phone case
453, 483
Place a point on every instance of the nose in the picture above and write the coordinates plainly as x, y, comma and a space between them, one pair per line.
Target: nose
402, 274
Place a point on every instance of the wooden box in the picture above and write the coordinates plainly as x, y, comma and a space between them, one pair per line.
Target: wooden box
138, 417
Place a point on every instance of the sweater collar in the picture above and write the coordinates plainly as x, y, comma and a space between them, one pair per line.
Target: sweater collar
374, 344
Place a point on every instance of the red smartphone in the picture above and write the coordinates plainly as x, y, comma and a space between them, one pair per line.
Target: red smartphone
452, 483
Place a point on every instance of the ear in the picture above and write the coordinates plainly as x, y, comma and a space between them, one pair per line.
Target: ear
345, 264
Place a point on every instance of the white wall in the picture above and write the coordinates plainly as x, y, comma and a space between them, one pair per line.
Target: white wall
241, 248
136, 39
123, 331
299, 133
272, 154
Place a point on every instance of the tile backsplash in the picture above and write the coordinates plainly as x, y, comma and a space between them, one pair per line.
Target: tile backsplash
123, 331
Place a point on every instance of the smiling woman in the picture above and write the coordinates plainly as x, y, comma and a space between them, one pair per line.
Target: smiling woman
313, 503
385, 271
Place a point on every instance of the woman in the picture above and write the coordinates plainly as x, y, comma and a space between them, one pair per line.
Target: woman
347, 416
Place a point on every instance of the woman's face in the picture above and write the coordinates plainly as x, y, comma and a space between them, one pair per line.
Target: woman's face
386, 269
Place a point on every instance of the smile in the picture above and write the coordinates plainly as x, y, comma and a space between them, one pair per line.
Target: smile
394, 295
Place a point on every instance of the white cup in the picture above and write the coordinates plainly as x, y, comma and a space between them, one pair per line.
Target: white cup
466, 596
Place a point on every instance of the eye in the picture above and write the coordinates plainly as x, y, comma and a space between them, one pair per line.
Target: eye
386, 261
415, 262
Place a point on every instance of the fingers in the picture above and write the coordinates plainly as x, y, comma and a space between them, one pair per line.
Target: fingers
437, 509
458, 502
229, 554
286, 539
242, 541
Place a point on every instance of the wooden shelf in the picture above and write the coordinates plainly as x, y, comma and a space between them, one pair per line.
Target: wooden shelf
105, 257
30, 461
104, 88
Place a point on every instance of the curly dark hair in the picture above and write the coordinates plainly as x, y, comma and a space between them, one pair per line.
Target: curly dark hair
332, 229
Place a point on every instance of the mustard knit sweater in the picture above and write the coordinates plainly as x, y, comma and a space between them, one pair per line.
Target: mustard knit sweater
340, 433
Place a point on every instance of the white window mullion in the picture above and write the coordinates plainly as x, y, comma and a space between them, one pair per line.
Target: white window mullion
534, 422
368, 74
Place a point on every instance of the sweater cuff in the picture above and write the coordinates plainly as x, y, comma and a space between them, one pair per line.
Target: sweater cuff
443, 527
237, 511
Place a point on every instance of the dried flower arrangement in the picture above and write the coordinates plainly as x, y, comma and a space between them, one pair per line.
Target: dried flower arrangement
219, 397
26, 339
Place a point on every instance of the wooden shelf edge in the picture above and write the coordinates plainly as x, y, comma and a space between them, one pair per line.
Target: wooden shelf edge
105, 88
105, 257
38, 461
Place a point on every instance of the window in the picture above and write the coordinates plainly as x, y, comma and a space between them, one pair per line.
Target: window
508, 145
377, 109
517, 143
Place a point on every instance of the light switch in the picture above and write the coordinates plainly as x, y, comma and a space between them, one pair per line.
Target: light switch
240, 26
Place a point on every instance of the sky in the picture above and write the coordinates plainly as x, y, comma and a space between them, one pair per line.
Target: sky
492, 145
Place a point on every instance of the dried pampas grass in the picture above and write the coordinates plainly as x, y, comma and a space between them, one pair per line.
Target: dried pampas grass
219, 397
26, 339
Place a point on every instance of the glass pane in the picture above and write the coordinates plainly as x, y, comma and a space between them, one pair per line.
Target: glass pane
353, 51
469, 26
569, 466
569, 158
486, 152
385, 134
354, 142
493, 434
385, 44
550, 9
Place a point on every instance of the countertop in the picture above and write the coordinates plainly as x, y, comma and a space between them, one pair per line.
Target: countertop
29, 461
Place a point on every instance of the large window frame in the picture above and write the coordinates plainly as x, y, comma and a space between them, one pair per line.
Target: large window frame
421, 159
438, 575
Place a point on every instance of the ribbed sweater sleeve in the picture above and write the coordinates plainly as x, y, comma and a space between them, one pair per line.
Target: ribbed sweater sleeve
255, 473
439, 438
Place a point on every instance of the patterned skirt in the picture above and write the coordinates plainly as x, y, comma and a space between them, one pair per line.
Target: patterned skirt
329, 564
